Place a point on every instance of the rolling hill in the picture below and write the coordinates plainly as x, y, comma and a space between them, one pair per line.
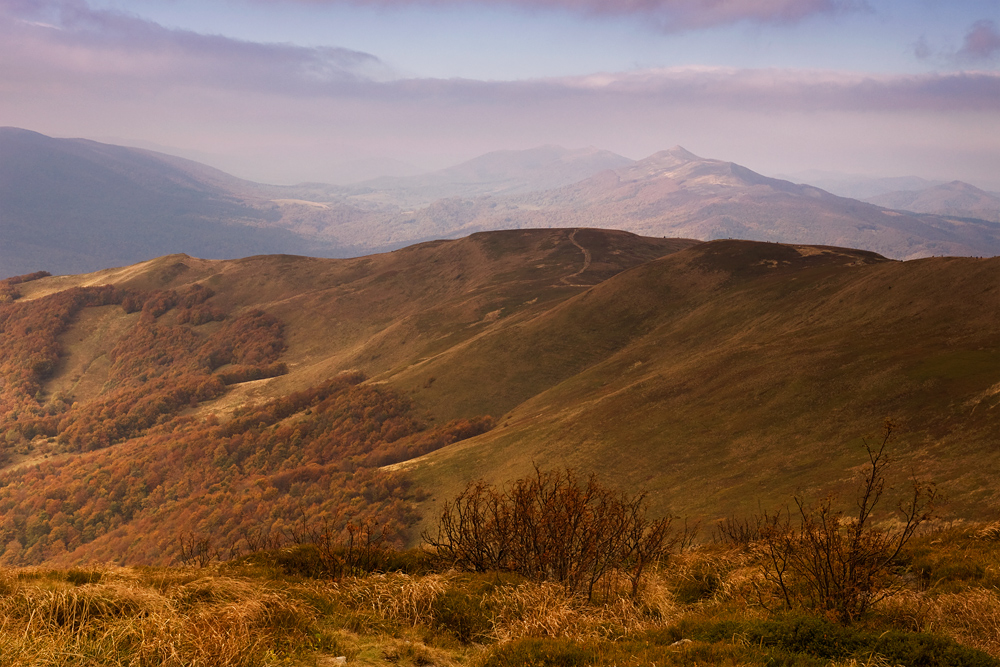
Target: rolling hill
70, 205
671, 193
214, 396
955, 198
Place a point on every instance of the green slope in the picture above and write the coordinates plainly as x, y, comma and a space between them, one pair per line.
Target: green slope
735, 373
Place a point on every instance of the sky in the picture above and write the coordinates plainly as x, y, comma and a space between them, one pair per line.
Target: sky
286, 91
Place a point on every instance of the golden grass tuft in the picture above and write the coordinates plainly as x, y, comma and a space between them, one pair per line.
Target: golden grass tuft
245, 616
990, 532
548, 610
971, 617
210, 622
399, 598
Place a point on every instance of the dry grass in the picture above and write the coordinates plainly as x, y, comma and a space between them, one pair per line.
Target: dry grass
971, 617
123, 620
248, 616
547, 610
397, 598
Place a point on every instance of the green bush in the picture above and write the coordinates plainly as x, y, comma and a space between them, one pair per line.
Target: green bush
303, 560
544, 653
409, 561
81, 577
700, 585
817, 637
924, 650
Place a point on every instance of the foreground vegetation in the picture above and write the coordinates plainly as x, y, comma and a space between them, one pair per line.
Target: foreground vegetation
549, 570
703, 607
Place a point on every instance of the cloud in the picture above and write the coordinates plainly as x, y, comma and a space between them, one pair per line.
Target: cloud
807, 91
60, 39
278, 112
982, 42
64, 45
669, 15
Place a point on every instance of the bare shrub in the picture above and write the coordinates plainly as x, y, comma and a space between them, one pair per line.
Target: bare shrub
842, 564
197, 550
315, 548
363, 551
550, 526
740, 531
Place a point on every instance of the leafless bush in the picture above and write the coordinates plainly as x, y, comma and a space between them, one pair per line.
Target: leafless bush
550, 526
740, 531
836, 563
364, 549
322, 550
197, 550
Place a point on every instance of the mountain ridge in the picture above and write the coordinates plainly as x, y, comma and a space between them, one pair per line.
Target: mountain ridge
69, 206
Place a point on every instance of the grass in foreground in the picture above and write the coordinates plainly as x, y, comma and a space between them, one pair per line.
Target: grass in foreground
703, 609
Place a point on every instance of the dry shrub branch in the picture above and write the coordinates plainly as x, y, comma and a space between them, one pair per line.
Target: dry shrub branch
840, 564
551, 526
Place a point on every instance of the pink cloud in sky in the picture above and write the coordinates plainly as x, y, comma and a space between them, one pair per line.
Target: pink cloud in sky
283, 113
803, 90
669, 15
982, 42
67, 38
49, 42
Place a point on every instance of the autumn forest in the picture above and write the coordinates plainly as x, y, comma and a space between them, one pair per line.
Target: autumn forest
147, 469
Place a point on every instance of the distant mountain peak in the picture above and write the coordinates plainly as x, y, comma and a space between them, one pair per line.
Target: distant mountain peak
682, 153
672, 158
962, 185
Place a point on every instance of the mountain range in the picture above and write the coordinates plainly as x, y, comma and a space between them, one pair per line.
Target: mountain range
217, 396
71, 205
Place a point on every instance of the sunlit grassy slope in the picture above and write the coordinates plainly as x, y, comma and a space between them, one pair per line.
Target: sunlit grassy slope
737, 373
718, 376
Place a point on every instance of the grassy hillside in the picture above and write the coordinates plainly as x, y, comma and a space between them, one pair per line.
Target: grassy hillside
190, 395
734, 373
719, 376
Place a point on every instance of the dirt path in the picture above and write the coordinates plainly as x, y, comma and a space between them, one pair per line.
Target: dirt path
586, 262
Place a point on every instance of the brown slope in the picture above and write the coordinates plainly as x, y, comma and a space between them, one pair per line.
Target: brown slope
734, 373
